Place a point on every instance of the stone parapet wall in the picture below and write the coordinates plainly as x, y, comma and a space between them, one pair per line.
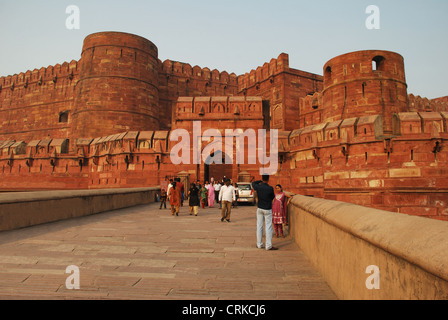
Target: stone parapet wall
25, 209
342, 240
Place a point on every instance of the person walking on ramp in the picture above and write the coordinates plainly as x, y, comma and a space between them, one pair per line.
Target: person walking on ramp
265, 195
226, 197
174, 198
193, 199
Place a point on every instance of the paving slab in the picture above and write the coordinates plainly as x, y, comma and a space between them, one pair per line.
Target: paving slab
146, 253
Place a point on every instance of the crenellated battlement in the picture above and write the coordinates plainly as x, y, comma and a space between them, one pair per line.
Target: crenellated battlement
37, 103
418, 103
406, 125
441, 99
310, 103
263, 73
41, 76
185, 70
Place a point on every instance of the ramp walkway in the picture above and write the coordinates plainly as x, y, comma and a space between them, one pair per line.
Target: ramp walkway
143, 252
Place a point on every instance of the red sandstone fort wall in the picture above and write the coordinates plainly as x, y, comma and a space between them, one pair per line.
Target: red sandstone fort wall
350, 161
118, 84
353, 135
346, 160
38, 103
283, 87
178, 79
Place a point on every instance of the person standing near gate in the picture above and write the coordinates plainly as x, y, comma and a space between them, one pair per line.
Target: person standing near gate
264, 211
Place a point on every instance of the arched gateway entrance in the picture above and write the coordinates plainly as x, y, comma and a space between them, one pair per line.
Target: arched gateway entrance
218, 171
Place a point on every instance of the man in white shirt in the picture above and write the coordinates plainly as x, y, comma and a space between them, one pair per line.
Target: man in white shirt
226, 197
217, 187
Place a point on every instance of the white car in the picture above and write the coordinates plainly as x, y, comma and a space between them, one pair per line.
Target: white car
246, 193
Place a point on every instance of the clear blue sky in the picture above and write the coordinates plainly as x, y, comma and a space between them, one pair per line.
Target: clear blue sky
236, 35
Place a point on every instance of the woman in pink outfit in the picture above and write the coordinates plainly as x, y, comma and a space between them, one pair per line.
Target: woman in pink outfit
211, 196
279, 210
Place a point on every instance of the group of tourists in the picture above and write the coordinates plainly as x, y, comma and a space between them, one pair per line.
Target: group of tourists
272, 203
208, 193
223, 193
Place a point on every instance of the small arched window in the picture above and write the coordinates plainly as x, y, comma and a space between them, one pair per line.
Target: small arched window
63, 116
378, 63
327, 74
315, 103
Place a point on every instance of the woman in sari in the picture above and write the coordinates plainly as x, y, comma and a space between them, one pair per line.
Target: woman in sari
279, 210
211, 196
203, 194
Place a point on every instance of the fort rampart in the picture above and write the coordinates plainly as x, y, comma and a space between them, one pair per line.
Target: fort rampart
353, 134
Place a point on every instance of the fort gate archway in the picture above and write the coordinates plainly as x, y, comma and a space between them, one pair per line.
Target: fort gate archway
216, 170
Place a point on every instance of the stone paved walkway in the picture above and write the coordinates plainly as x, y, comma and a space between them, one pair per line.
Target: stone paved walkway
145, 253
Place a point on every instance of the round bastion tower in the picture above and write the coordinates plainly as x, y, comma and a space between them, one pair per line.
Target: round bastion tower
365, 83
118, 86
